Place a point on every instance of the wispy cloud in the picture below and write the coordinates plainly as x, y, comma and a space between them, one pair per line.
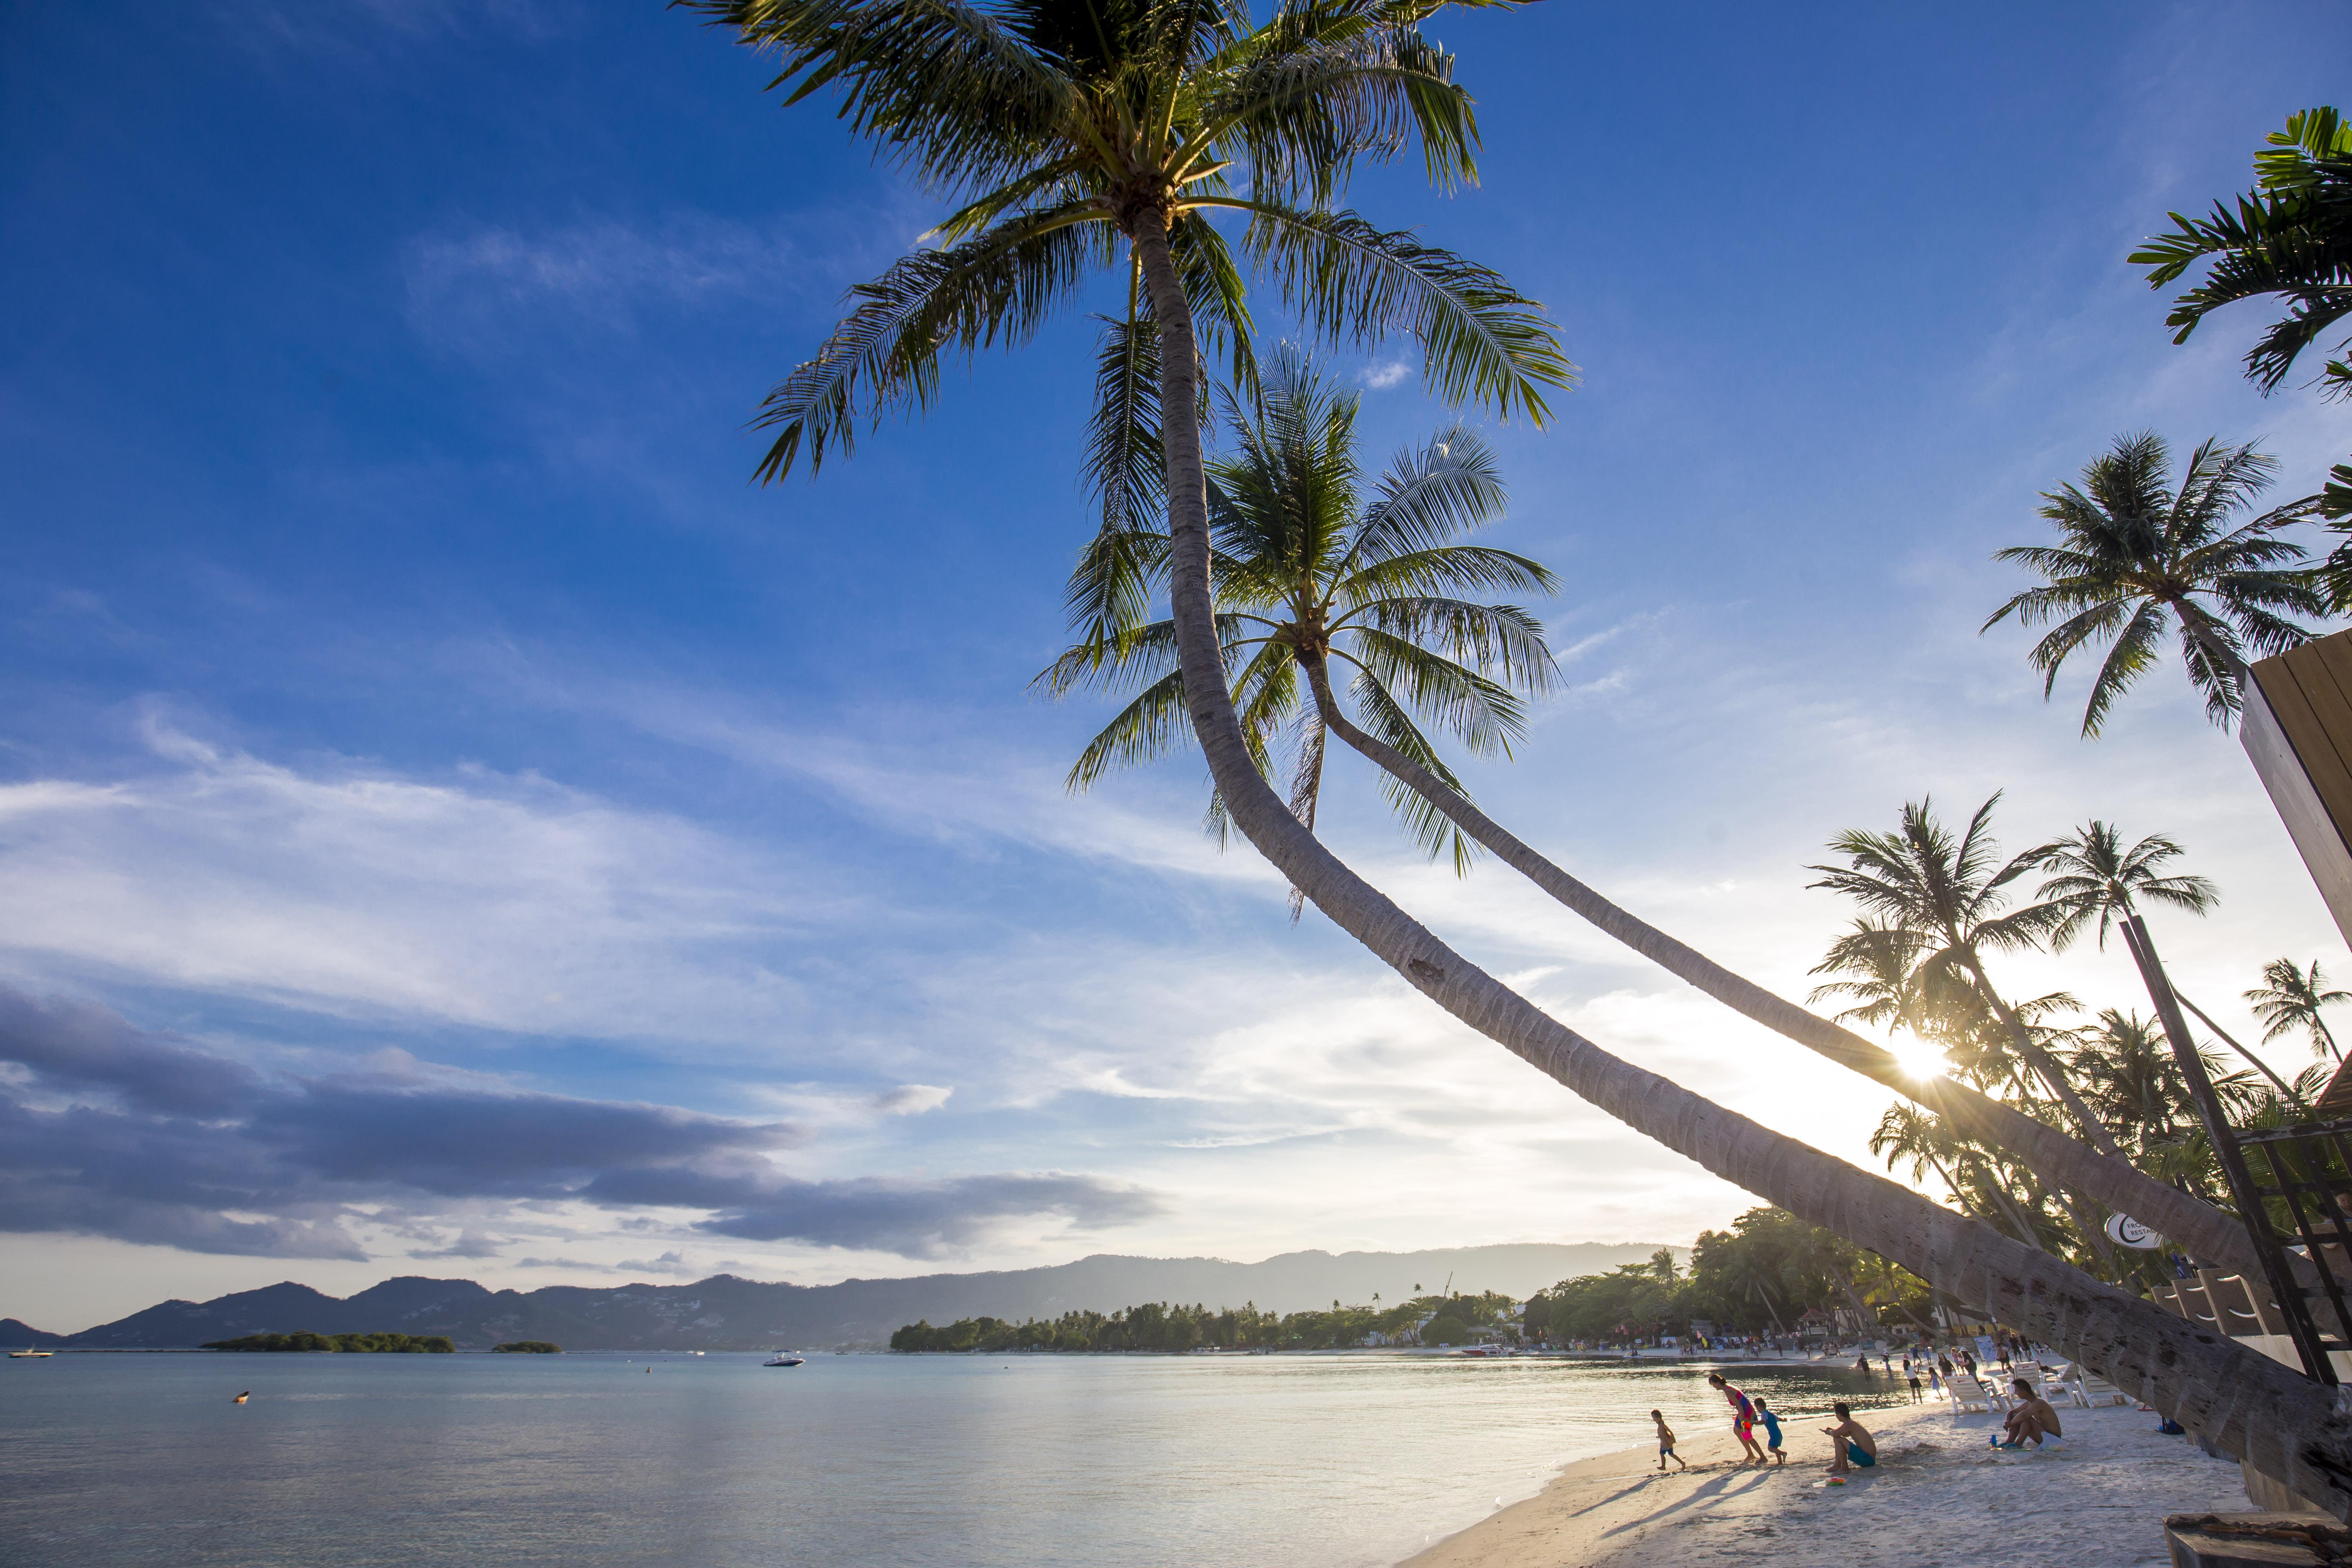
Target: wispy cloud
601, 271
1388, 374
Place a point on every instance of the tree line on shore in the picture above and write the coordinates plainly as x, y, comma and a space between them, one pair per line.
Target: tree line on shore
303, 1339
1160, 1326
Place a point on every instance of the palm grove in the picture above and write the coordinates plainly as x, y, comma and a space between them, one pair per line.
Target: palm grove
1171, 154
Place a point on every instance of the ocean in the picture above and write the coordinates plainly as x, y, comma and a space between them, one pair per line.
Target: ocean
1094, 1461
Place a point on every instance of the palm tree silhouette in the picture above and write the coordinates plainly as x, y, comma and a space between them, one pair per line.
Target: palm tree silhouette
1954, 893
2290, 998
2135, 555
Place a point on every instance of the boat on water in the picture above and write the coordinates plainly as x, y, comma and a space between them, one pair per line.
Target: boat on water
782, 1358
30, 1355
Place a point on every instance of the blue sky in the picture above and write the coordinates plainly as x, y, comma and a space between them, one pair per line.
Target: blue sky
414, 718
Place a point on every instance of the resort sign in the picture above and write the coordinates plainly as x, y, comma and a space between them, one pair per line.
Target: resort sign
2129, 1232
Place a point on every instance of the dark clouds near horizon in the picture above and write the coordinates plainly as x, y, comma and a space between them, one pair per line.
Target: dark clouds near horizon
113, 1131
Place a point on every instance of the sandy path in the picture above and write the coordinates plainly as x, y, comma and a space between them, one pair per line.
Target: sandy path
1938, 1498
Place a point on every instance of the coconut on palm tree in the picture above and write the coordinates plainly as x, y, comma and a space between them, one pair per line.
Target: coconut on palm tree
2289, 239
2290, 998
1314, 571
2138, 557
1070, 129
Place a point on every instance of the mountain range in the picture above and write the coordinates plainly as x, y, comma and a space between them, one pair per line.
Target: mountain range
725, 1312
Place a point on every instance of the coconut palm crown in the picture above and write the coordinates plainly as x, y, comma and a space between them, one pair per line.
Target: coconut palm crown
2099, 877
2290, 998
2135, 555
1059, 129
1314, 572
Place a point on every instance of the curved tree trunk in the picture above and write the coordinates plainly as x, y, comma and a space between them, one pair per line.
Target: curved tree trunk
2200, 1228
2278, 1422
2044, 1066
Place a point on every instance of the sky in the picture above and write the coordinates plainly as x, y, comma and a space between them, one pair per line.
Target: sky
454, 823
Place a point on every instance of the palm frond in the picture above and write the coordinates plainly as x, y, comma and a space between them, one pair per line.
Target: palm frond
1481, 339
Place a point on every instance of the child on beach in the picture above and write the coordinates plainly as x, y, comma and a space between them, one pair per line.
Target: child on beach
2033, 1420
1853, 1441
1666, 1442
1915, 1388
1771, 1431
1743, 1418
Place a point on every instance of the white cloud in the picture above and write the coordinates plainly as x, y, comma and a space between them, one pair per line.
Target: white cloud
1388, 374
506, 902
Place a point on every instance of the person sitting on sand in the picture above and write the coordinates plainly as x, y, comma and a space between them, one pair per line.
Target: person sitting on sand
1666, 1442
2032, 1421
1771, 1431
1743, 1418
1853, 1441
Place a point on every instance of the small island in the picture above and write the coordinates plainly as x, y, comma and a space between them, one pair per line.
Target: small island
434, 1345
527, 1347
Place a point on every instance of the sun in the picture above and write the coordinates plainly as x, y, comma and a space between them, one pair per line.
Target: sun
1920, 1059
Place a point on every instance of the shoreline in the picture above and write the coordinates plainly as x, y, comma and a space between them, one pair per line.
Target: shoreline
1939, 1495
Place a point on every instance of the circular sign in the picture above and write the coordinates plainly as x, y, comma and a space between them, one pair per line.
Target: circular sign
2128, 1231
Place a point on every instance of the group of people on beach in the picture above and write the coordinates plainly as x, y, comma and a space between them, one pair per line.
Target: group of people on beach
2032, 1423
1854, 1447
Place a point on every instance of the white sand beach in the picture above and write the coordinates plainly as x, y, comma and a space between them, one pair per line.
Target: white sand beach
1938, 1498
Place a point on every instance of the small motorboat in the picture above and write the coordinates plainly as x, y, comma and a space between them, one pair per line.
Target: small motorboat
782, 1358
30, 1355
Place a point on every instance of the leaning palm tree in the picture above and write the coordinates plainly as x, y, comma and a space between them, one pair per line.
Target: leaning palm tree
1069, 130
2290, 998
2289, 239
2129, 1074
2135, 554
1313, 571
1954, 891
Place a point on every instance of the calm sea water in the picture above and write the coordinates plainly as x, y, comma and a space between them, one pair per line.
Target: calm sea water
1043, 1461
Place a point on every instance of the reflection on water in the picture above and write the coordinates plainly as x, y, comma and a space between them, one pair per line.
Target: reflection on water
1043, 1461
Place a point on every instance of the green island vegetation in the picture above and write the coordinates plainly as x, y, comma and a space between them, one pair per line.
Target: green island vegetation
434, 1345
1157, 1326
1770, 1273
527, 1347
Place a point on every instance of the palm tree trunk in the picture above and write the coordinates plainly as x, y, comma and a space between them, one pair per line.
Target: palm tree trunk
2264, 1068
2043, 1067
2107, 1177
2280, 1424
2006, 1203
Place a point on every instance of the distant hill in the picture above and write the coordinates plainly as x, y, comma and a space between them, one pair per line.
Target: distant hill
727, 1314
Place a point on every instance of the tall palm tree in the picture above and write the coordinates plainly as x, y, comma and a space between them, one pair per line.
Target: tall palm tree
1081, 126
2135, 555
1312, 571
2129, 1074
2289, 239
2098, 878
1954, 891
2290, 998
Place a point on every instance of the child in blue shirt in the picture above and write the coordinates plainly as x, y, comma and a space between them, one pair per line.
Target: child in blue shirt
1771, 1431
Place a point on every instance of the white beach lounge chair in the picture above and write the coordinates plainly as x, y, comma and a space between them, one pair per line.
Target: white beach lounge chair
1966, 1395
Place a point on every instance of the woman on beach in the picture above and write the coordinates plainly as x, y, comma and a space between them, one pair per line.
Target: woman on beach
1743, 1418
